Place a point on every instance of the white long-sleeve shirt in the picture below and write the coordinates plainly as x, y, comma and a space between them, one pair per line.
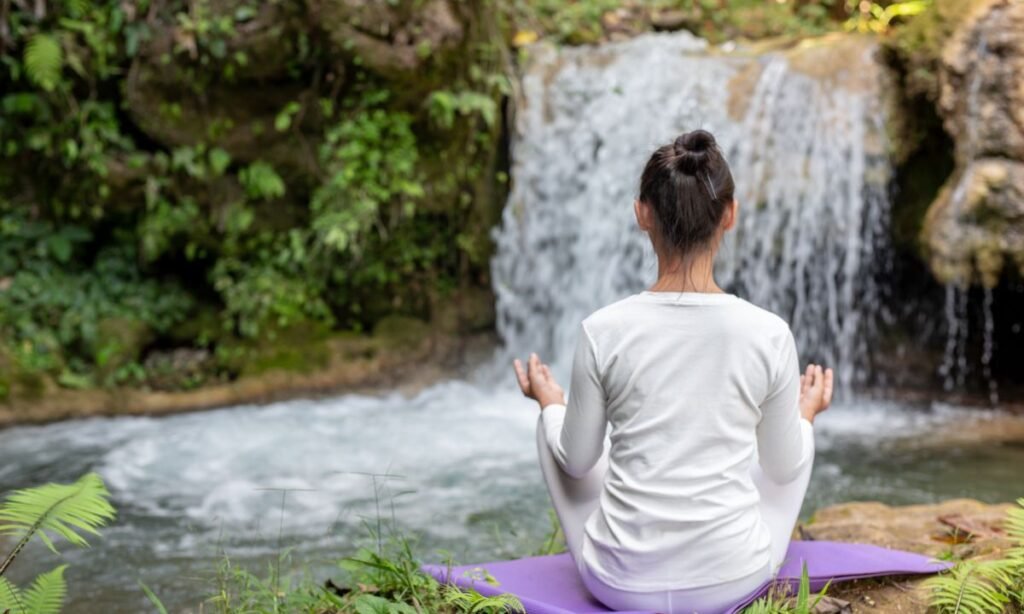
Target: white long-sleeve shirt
695, 387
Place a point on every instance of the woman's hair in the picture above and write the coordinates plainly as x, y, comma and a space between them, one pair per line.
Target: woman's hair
689, 186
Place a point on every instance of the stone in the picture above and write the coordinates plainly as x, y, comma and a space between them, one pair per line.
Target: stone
975, 227
675, 19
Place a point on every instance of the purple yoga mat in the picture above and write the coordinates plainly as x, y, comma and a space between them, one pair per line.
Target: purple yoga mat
551, 584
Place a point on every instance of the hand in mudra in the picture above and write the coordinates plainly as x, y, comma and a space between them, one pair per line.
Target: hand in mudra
815, 391
537, 382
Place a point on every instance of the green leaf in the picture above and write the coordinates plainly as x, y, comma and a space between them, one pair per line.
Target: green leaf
43, 60
219, 160
283, 120
371, 604
153, 598
65, 510
46, 594
262, 181
10, 597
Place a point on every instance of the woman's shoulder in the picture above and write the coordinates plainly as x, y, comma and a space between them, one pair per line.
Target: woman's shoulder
762, 318
610, 315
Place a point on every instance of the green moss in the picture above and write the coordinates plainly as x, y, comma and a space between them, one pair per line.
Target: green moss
917, 45
119, 342
400, 331
299, 349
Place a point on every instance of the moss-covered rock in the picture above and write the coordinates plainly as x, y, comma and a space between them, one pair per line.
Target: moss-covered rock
119, 342
975, 227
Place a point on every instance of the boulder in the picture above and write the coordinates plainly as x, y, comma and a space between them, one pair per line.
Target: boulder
975, 227
225, 87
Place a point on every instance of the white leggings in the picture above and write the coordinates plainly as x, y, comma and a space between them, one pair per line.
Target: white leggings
575, 500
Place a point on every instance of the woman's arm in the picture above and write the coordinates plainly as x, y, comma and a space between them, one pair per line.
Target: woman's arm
575, 433
785, 438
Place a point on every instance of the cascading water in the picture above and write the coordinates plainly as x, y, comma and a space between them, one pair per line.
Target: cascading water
805, 148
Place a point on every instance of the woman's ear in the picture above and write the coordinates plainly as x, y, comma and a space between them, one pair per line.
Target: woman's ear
643, 215
731, 213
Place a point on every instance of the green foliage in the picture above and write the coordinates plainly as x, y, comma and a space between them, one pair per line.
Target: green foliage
153, 599
261, 181
44, 596
56, 510
555, 541
917, 46
370, 160
779, 601
50, 511
268, 294
445, 107
43, 60
972, 587
984, 587
876, 17
108, 225
239, 591
56, 302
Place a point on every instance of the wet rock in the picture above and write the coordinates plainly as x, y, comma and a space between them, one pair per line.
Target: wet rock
224, 88
676, 19
394, 39
975, 228
177, 369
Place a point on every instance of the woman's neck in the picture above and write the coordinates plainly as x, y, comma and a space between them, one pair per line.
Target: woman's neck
677, 275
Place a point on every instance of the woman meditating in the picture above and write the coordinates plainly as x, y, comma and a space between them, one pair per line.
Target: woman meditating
691, 506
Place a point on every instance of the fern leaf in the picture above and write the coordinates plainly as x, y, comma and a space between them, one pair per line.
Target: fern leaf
1015, 523
66, 510
972, 588
46, 594
43, 59
10, 597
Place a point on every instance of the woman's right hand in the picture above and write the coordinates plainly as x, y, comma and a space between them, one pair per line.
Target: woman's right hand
815, 391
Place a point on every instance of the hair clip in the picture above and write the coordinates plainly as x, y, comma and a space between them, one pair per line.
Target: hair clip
711, 186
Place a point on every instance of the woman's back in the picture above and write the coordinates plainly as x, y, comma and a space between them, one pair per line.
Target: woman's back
683, 378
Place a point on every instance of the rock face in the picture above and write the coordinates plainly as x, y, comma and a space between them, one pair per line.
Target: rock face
975, 228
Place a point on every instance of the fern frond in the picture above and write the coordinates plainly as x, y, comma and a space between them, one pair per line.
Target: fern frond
10, 597
66, 510
43, 59
972, 587
46, 594
1015, 523
472, 602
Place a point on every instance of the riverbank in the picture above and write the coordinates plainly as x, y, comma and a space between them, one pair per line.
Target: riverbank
406, 362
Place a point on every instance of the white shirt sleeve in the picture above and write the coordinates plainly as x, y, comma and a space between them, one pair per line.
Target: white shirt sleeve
785, 440
576, 433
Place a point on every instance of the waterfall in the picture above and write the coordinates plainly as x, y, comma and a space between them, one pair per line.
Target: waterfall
802, 130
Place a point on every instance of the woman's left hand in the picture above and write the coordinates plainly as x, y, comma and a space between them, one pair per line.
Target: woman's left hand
537, 383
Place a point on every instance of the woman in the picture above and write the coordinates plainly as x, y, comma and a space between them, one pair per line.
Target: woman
692, 505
